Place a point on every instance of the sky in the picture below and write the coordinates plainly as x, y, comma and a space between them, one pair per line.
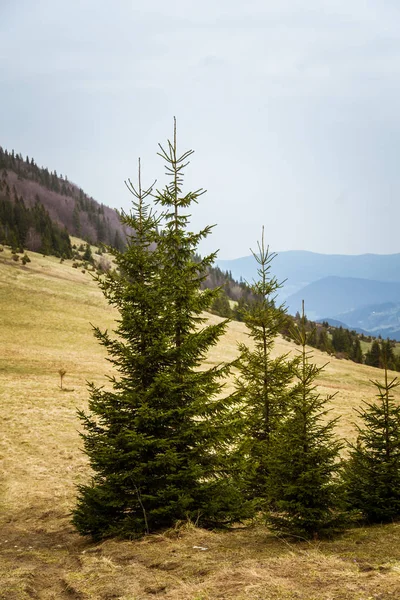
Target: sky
291, 107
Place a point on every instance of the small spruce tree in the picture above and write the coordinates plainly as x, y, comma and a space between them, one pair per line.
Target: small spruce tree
373, 355
356, 352
373, 468
263, 383
87, 255
304, 485
221, 306
157, 442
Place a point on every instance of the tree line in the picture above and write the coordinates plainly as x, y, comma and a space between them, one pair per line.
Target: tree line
28, 169
345, 343
67, 203
167, 443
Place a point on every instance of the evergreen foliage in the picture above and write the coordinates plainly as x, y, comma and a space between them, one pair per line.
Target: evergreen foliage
22, 227
356, 354
158, 442
82, 215
324, 343
87, 255
373, 469
381, 355
237, 291
263, 385
221, 306
303, 485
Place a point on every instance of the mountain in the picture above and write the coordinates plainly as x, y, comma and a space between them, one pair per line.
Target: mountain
361, 292
39, 209
336, 323
333, 296
371, 307
67, 205
300, 268
377, 319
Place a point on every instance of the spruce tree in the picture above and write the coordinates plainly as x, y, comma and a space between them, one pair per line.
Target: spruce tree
87, 255
303, 484
373, 469
157, 441
263, 384
221, 305
373, 356
356, 352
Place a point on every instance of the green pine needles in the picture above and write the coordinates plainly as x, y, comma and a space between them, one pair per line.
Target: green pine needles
373, 470
158, 440
263, 384
304, 486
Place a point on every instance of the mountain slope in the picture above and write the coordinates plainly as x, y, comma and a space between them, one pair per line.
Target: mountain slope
46, 309
66, 203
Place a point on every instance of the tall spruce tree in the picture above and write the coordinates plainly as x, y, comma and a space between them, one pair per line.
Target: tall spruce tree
373, 469
304, 487
263, 384
157, 442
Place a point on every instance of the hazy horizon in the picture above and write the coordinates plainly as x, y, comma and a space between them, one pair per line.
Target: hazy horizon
220, 258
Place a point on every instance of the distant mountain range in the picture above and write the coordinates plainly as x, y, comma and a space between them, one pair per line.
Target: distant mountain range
361, 292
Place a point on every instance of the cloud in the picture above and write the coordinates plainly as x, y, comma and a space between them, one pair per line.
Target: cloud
290, 106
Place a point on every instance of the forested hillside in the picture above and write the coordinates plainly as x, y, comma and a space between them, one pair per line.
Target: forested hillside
66, 204
24, 227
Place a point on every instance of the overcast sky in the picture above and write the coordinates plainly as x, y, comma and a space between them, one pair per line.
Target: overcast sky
292, 108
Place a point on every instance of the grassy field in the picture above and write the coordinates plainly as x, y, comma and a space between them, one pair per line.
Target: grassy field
45, 313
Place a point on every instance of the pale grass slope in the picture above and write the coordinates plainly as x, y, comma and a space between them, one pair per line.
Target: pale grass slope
45, 313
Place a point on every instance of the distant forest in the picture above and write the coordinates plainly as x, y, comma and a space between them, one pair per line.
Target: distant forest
67, 205
23, 227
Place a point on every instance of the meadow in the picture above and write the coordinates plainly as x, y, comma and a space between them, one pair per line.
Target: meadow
46, 311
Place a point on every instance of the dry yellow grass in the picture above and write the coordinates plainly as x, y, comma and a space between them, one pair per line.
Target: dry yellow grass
45, 313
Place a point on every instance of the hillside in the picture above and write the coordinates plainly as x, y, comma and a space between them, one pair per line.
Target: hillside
67, 204
46, 308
